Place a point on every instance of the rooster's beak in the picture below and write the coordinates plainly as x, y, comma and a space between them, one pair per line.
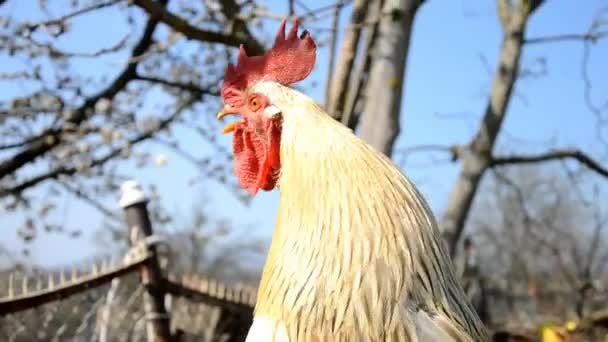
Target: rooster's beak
227, 110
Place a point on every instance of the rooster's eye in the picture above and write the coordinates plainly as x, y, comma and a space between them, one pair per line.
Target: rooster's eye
254, 104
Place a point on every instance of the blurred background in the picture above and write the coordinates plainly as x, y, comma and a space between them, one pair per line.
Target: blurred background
497, 111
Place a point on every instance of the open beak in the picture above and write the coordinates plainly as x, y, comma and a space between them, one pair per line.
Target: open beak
227, 110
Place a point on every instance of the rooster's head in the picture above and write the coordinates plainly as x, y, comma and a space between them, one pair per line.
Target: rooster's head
257, 133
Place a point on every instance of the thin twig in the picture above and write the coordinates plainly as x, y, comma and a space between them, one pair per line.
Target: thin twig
62, 19
71, 170
335, 6
51, 138
591, 37
191, 87
179, 24
56, 53
553, 155
454, 150
303, 5
88, 199
597, 110
17, 144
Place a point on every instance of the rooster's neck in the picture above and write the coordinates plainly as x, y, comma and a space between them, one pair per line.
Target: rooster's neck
342, 225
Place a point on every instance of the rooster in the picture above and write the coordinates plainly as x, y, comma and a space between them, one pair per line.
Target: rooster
356, 254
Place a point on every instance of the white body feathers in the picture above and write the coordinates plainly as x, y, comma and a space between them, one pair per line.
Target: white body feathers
356, 254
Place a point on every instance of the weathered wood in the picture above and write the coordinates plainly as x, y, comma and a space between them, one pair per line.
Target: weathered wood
242, 306
134, 204
236, 305
85, 282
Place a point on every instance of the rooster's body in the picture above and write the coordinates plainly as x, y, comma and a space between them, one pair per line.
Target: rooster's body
356, 254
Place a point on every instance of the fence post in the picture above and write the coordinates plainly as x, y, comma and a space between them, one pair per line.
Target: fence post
134, 202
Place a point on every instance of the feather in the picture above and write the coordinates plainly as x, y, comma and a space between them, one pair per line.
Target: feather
356, 254
264, 329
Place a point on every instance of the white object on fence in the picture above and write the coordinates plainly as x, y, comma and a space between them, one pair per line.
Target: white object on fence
132, 193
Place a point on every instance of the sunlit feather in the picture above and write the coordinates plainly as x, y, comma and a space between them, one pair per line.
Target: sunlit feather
356, 254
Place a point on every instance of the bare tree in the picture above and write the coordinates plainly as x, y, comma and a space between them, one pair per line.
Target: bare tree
352, 95
380, 123
541, 246
365, 92
477, 156
69, 132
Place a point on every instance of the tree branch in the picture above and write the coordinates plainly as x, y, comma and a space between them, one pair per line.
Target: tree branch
379, 124
57, 53
191, 87
514, 17
317, 11
52, 137
71, 170
455, 151
62, 19
591, 36
504, 11
353, 93
17, 144
88, 199
332, 48
178, 24
552, 155
339, 85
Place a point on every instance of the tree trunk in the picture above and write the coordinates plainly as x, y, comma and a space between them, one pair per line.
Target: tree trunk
379, 124
338, 85
476, 160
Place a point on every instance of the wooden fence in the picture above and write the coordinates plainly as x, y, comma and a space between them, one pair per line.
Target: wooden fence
236, 304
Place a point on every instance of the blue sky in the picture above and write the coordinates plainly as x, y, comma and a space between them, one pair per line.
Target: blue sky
445, 94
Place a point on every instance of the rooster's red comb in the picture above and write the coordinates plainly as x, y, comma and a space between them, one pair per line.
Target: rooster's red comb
290, 60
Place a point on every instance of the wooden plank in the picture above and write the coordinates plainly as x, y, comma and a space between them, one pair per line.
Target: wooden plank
37, 298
